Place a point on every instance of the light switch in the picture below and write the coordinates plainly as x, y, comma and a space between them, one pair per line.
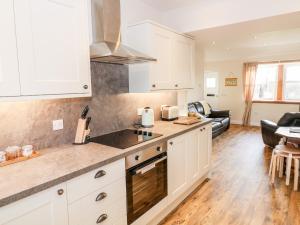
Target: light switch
140, 111
58, 124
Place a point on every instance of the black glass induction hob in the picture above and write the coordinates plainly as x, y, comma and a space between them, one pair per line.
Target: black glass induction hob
125, 138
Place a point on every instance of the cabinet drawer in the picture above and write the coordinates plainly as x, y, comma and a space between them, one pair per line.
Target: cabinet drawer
94, 180
87, 211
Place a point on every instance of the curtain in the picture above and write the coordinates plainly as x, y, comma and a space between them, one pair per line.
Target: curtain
249, 85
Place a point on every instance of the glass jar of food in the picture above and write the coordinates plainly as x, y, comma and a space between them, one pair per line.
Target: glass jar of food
12, 152
2, 156
27, 150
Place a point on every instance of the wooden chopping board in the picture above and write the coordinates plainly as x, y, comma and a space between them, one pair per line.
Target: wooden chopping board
187, 120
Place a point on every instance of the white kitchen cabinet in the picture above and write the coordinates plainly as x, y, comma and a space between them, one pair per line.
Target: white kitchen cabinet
193, 155
53, 46
183, 61
112, 208
99, 195
9, 73
48, 207
205, 148
177, 166
189, 158
199, 152
175, 54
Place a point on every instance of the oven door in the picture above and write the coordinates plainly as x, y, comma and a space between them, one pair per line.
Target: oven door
146, 186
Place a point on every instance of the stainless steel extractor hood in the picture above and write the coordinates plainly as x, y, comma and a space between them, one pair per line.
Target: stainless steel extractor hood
107, 46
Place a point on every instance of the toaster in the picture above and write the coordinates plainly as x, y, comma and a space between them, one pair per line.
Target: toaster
169, 112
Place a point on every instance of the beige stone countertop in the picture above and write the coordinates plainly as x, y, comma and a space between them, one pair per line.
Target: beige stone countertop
57, 165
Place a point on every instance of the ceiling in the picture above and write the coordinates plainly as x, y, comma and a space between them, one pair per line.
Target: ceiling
268, 36
165, 5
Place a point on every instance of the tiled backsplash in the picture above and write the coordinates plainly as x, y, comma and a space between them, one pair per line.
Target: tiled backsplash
111, 108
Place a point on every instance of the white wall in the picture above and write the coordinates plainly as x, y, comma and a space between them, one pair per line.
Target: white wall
229, 97
271, 112
205, 14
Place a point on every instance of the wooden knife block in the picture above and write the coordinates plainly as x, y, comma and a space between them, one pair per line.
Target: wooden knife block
80, 133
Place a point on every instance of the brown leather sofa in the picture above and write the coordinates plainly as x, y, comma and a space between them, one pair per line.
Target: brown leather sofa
220, 118
268, 128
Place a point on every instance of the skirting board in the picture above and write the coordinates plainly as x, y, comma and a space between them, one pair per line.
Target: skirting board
238, 122
161, 210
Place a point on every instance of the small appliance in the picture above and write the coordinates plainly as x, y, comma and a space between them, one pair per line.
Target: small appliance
169, 113
147, 117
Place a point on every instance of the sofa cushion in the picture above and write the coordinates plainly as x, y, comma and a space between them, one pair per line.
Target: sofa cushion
216, 125
206, 107
199, 108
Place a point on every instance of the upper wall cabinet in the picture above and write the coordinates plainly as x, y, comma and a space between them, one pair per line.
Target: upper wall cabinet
9, 74
45, 48
53, 44
175, 54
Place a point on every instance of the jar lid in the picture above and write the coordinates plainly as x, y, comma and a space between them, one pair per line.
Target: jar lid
12, 148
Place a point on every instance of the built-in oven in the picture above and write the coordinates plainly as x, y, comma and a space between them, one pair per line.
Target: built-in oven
146, 180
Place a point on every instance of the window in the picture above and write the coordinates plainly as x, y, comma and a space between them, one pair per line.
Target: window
292, 82
266, 82
277, 82
211, 82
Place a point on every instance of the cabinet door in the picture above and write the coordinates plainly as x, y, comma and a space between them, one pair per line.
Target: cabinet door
9, 74
161, 71
44, 208
183, 62
53, 46
177, 166
193, 155
205, 142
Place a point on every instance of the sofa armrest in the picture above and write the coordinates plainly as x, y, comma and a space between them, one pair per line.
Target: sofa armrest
268, 125
268, 129
219, 113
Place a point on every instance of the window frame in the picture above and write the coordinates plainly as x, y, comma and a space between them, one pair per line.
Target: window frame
280, 89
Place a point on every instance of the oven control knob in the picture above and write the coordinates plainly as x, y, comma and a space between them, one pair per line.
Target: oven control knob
136, 131
137, 157
140, 132
145, 133
150, 134
158, 149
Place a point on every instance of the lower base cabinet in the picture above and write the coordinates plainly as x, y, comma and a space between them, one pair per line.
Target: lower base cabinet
99, 197
48, 207
188, 159
106, 206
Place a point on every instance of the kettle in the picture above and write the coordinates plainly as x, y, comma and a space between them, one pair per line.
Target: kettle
147, 117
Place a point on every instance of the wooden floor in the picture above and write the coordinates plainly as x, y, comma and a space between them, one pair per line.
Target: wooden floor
239, 192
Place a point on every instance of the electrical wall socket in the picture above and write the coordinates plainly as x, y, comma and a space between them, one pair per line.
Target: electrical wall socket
58, 124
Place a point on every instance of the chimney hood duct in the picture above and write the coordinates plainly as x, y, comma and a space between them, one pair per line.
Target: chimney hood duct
107, 46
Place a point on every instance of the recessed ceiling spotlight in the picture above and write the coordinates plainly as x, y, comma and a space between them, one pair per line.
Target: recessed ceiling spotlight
255, 37
213, 43
227, 48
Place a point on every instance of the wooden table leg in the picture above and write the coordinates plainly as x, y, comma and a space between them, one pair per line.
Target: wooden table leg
288, 169
296, 174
